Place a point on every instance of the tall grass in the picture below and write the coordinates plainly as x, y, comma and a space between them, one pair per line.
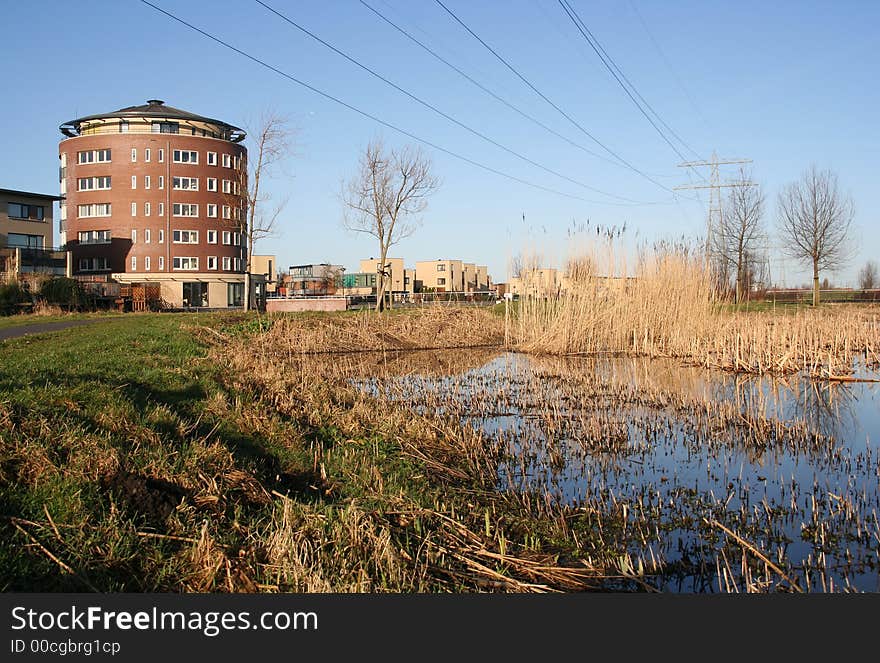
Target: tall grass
668, 307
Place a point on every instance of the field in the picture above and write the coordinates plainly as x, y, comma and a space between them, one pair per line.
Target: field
330, 452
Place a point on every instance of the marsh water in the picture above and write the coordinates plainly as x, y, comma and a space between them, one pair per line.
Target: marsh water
702, 475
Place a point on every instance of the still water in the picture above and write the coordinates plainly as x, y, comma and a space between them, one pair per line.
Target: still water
699, 469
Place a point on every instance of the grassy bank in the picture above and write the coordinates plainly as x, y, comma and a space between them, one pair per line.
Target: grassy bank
173, 453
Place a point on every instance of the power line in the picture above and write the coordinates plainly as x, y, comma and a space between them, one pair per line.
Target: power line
545, 98
615, 70
486, 89
668, 64
363, 113
436, 110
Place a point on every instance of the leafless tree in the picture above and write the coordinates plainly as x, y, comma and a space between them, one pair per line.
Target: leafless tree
868, 277
385, 197
271, 141
740, 232
815, 221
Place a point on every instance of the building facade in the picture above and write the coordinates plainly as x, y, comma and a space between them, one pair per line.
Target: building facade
26, 234
154, 194
441, 275
313, 280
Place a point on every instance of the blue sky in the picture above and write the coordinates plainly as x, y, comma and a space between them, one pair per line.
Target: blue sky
786, 84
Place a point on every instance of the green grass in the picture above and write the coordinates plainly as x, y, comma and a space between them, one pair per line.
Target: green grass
23, 319
133, 457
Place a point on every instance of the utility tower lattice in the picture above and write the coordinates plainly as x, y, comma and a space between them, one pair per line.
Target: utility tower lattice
714, 218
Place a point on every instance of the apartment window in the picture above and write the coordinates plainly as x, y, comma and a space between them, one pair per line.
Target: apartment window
185, 236
161, 209
212, 211
161, 181
212, 262
227, 238
146, 263
186, 156
28, 212
161, 236
195, 294
20, 240
185, 183
227, 161
236, 213
441, 268
93, 183
212, 184
161, 155
236, 239
146, 209
185, 209
186, 264
93, 156
94, 237
235, 294
134, 263
161, 263
212, 237
236, 162
123, 126
235, 187
147, 234
146, 181
236, 262
134, 235
165, 127
134, 182
441, 281
227, 212
95, 209
212, 158
93, 264
227, 186
147, 154
134, 209
134, 154
227, 263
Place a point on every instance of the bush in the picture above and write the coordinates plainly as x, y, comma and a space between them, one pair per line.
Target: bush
62, 292
11, 294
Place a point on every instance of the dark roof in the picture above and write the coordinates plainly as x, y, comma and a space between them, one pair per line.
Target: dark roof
153, 107
30, 194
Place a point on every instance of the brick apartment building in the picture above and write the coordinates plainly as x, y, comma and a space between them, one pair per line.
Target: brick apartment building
155, 194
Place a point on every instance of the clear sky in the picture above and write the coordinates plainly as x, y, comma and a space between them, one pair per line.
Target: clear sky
783, 83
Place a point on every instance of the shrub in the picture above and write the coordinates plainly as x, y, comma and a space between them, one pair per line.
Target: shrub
62, 291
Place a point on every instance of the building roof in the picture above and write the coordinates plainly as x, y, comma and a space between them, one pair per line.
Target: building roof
153, 108
31, 194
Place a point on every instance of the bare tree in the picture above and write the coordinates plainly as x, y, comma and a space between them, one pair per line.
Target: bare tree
385, 197
740, 231
271, 142
868, 277
815, 221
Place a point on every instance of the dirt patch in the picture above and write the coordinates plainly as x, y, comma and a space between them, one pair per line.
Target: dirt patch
154, 499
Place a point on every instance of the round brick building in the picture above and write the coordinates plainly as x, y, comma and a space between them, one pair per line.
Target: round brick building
154, 194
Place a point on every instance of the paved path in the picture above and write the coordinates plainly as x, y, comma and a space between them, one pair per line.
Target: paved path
42, 327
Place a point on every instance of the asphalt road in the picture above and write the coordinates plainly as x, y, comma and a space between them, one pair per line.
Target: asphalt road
41, 328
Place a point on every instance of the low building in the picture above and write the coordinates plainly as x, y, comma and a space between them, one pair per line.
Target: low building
265, 266
441, 275
312, 280
26, 234
394, 270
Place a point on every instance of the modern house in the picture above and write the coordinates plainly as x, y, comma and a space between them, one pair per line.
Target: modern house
26, 235
157, 195
313, 280
265, 266
441, 275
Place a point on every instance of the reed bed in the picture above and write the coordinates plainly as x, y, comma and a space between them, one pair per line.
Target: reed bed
436, 326
669, 307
